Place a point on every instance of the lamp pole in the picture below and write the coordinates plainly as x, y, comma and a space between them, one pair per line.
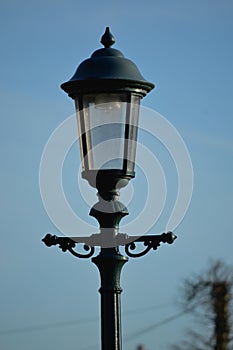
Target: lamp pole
107, 89
110, 263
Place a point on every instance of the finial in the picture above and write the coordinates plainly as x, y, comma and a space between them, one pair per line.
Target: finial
107, 39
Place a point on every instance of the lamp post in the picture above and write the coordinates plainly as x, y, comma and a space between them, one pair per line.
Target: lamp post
107, 89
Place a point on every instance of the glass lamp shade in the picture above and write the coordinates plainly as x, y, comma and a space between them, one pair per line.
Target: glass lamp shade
107, 125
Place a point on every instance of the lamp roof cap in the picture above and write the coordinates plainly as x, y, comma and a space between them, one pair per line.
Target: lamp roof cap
106, 70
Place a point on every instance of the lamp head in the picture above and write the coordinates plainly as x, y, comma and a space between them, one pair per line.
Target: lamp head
107, 89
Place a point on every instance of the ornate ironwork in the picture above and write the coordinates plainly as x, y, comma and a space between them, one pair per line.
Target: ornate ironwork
66, 243
150, 242
95, 240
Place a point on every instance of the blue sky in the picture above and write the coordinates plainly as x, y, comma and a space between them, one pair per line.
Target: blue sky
185, 48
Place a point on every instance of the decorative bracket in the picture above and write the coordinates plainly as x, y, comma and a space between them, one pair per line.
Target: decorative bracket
66, 243
150, 242
89, 243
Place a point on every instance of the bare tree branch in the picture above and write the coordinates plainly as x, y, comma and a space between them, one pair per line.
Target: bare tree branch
208, 297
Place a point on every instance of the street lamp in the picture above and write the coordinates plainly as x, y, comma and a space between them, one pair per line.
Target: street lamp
107, 89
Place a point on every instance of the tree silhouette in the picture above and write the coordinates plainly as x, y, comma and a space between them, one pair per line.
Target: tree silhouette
208, 297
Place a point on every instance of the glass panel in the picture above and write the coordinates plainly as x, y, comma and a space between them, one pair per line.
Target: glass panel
108, 125
131, 132
84, 137
101, 122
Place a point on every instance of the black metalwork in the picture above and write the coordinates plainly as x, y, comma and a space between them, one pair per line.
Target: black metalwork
107, 38
150, 242
107, 71
110, 263
97, 240
66, 243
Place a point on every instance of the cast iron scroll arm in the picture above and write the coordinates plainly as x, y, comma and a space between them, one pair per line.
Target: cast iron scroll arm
66, 243
95, 240
150, 242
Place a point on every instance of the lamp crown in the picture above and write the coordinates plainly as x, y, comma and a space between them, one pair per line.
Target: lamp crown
107, 70
107, 38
